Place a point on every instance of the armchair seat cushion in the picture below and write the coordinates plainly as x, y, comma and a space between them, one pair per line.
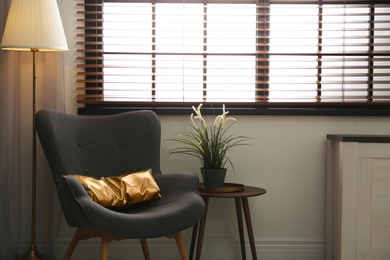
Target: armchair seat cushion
148, 219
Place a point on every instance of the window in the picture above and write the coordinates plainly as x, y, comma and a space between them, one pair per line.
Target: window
273, 56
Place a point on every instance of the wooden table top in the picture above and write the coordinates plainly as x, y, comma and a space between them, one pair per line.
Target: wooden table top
248, 191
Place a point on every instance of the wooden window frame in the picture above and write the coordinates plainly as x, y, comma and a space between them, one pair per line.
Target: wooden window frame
90, 79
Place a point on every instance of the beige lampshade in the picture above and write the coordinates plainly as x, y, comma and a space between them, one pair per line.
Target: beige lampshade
34, 24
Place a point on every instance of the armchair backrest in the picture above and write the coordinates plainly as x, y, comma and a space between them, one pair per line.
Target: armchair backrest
100, 146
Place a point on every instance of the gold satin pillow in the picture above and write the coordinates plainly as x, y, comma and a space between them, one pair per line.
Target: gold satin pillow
121, 191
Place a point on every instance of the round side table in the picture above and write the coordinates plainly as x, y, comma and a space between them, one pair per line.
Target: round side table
240, 197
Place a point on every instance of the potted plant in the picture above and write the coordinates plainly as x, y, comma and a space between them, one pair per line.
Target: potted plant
210, 144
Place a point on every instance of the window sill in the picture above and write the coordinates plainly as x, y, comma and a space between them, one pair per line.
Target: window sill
266, 109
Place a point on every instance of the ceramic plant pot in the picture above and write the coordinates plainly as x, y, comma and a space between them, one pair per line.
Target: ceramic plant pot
213, 178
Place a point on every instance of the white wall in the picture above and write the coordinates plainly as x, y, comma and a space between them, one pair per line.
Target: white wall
287, 158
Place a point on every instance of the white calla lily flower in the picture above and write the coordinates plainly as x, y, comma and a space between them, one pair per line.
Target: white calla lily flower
193, 122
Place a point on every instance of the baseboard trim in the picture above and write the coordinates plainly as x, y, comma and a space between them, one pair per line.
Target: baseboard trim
213, 249
291, 250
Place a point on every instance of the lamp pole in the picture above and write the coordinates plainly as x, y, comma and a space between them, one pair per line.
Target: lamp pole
33, 252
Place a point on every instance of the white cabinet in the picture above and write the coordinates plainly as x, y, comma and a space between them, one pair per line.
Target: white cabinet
358, 197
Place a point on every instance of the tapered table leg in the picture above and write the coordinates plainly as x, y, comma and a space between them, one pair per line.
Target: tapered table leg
193, 239
201, 230
240, 227
249, 226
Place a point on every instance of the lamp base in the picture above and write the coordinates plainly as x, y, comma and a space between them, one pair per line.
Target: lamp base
33, 253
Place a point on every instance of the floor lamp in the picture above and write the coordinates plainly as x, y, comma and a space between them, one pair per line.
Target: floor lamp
34, 25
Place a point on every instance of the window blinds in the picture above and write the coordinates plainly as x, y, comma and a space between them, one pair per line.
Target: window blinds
329, 53
245, 52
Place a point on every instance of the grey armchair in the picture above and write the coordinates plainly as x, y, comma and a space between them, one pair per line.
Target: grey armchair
102, 146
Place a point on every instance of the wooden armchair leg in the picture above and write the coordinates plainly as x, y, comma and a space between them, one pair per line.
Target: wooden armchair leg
72, 246
84, 234
145, 249
181, 246
104, 241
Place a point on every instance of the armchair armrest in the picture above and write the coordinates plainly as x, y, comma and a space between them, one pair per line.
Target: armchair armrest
73, 197
178, 182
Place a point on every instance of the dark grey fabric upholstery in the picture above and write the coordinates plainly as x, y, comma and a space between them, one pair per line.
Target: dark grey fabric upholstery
114, 145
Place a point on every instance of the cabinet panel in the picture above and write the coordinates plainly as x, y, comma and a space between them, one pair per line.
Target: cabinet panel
357, 200
373, 209
369, 150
